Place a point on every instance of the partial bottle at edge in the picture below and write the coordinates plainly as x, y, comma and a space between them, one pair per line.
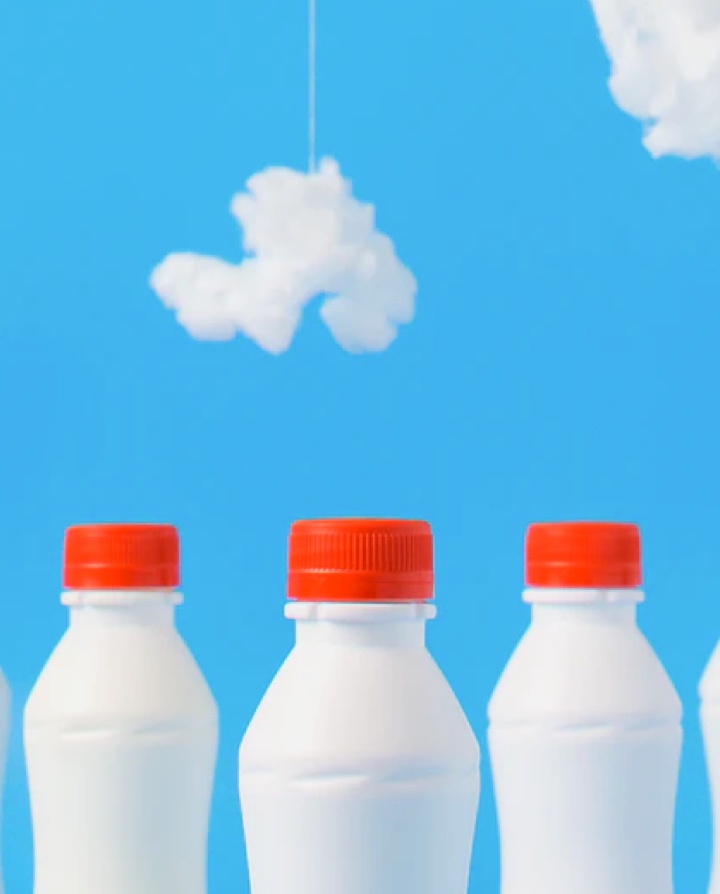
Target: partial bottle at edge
121, 729
585, 732
710, 723
359, 773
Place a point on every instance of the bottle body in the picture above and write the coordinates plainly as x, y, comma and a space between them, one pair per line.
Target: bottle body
121, 740
710, 725
359, 772
585, 742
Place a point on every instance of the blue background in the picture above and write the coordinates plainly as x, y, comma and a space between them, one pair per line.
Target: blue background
563, 362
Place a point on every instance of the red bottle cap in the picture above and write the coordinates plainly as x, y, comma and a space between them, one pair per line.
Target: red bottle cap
360, 560
583, 555
121, 557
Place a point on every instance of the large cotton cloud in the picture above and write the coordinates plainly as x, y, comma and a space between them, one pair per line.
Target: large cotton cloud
304, 235
665, 57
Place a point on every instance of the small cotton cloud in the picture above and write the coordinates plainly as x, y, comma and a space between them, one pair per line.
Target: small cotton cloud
304, 235
665, 57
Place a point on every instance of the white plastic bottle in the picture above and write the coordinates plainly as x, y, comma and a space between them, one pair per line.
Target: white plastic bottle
710, 723
585, 732
359, 773
120, 728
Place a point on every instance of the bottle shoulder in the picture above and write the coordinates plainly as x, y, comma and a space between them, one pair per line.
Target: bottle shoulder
575, 674
709, 687
125, 673
358, 706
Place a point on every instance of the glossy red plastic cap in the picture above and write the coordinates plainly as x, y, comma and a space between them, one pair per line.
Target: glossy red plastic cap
121, 557
583, 555
360, 560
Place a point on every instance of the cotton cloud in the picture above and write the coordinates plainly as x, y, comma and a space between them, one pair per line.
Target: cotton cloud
304, 235
665, 58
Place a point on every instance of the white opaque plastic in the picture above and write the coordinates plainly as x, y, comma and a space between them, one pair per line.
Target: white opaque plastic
710, 722
359, 773
585, 742
121, 739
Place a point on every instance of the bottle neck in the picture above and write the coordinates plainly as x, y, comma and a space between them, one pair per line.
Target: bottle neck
360, 624
147, 608
583, 606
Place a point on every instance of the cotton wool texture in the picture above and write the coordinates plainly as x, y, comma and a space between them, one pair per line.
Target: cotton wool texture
665, 57
304, 236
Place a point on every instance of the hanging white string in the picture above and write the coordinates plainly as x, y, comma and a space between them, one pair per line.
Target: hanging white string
311, 83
